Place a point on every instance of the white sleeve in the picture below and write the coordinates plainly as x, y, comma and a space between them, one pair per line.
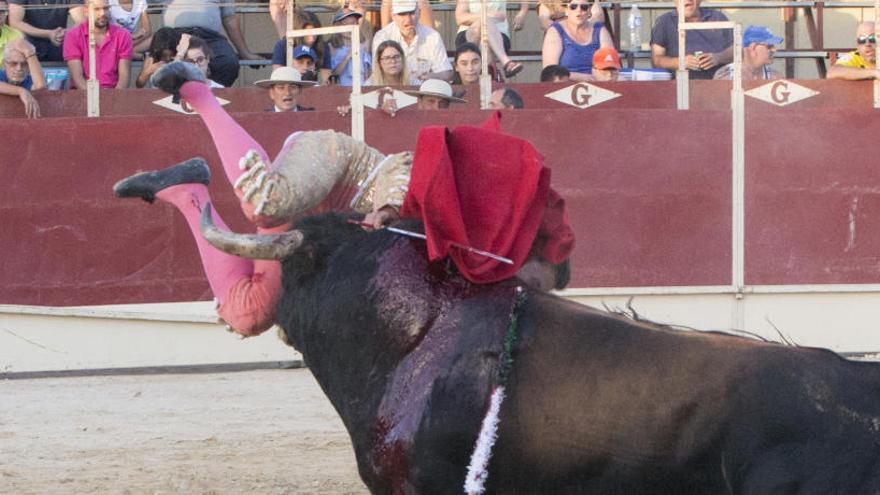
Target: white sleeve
439, 59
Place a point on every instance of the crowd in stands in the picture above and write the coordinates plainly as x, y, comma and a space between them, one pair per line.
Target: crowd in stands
403, 50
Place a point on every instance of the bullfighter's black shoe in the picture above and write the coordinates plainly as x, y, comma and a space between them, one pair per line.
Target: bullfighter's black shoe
172, 76
145, 185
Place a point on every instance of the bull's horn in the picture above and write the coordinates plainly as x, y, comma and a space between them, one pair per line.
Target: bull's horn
253, 246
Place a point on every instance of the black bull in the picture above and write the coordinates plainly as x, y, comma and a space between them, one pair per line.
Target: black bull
408, 354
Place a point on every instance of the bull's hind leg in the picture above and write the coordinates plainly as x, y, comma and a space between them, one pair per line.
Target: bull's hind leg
246, 291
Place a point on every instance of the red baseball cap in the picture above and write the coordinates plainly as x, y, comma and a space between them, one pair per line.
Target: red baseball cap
606, 58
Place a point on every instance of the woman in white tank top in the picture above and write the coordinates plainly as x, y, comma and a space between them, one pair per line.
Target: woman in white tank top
132, 15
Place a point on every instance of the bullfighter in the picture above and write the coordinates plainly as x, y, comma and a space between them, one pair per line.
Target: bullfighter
322, 170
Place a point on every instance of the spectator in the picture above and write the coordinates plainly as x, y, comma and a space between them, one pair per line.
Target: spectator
45, 27
312, 42
468, 64
391, 69
572, 42
426, 14
861, 62
706, 50
22, 74
132, 16
304, 59
278, 14
113, 50
285, 85
435, 94
198, 53
555, 73
759, 45
506, 98
423, 46
606, 64
467, 15
7, 33
337, 51
206, 19
163, 49
550, 11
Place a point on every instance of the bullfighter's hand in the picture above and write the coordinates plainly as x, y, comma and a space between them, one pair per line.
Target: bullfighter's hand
258, 184
382, 217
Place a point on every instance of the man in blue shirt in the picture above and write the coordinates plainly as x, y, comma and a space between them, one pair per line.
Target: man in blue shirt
22, 74
706, 50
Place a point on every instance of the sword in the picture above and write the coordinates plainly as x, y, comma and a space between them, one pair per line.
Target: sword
423, 237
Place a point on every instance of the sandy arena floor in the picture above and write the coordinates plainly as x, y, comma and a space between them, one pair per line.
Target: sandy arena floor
270, 431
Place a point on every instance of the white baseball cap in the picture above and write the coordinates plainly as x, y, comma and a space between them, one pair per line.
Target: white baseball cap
403, 6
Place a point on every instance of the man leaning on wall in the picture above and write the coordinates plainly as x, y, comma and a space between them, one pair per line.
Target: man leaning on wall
22, 74
860, 63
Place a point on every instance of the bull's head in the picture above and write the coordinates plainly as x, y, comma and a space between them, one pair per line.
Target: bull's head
253, 246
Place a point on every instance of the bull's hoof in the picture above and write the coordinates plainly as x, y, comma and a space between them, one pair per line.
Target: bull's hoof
172, 76
145, 185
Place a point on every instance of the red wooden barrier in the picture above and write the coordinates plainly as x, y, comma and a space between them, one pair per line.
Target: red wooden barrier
648, 192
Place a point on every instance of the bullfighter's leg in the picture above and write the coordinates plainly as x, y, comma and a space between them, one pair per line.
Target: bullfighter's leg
246, 290
233, 143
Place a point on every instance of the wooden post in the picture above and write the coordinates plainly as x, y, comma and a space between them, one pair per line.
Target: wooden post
788, 15
287, 37
876, 81
485, 78
738, 181
681, 75
92, 85
357, 103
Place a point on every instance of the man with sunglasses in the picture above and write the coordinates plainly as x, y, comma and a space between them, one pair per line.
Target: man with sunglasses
860, 63
759, 45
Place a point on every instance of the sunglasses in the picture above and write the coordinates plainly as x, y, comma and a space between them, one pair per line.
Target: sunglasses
866, 39
583, 6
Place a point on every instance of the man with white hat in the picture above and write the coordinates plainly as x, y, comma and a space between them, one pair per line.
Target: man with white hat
425, 53
284, 87
435, 94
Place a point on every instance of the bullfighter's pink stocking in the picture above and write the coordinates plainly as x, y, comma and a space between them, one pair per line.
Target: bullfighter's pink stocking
246, 290
231, 140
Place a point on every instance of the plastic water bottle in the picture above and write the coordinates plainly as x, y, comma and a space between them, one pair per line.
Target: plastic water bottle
635, 28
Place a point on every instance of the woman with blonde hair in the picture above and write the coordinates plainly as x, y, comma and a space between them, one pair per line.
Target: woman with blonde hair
390, 69
572, 41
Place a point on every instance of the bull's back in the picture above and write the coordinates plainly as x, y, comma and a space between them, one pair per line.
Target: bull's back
614, 406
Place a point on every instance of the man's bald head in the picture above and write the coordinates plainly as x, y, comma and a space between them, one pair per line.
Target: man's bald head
865, 41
